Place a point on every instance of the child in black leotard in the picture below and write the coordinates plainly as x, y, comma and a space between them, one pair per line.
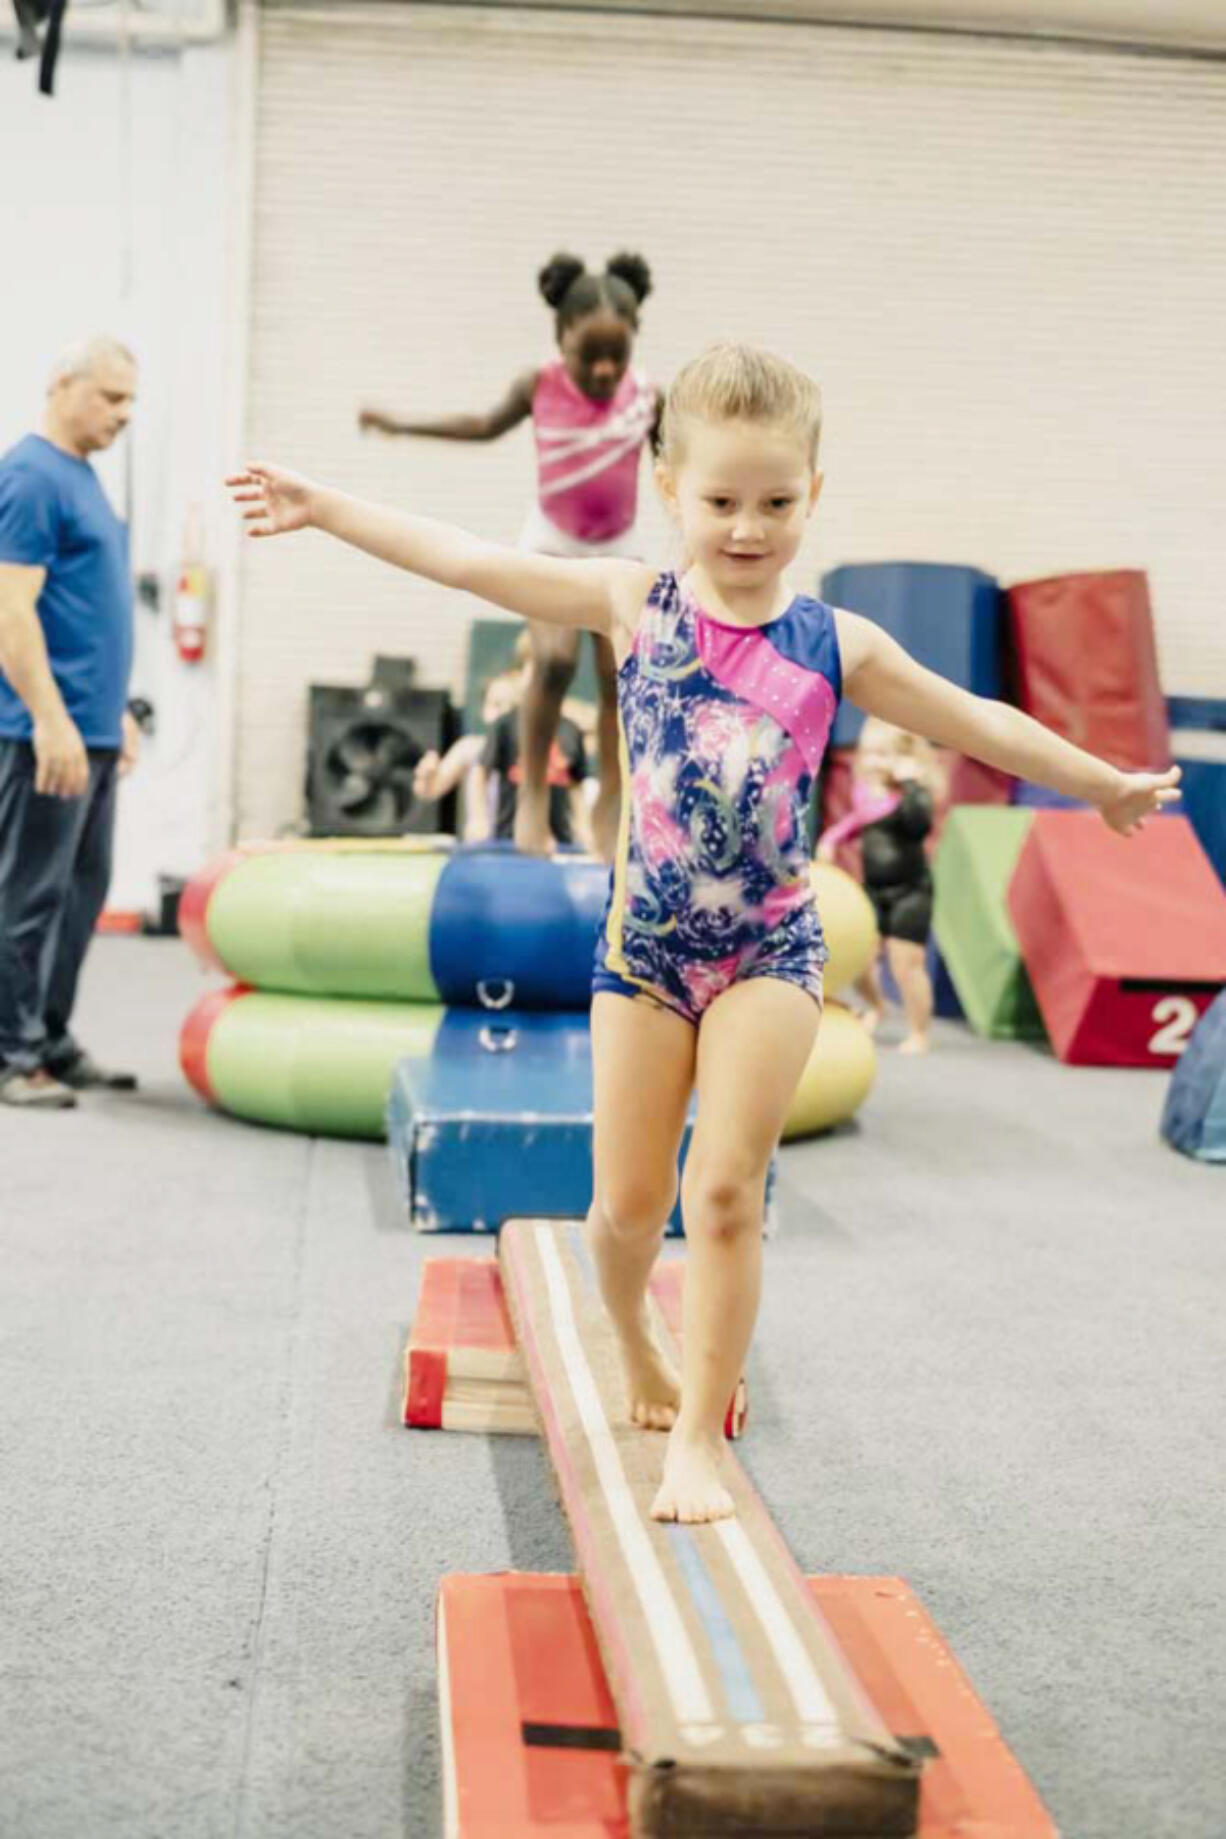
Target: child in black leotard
892, 811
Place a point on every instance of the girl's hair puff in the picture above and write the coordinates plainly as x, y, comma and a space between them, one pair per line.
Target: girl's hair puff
740, 383
573, 293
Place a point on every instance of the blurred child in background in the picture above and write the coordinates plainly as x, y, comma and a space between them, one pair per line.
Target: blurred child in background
894, 790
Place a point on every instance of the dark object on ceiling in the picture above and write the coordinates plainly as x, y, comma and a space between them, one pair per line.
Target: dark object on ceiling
32, 15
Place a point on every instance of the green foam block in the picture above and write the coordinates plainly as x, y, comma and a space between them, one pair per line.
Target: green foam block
972, 869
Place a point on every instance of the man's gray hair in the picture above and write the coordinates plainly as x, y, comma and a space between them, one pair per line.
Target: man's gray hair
81, 359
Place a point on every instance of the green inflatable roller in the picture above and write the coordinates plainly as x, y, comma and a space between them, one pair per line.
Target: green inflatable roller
321, 920
312, 1063
973, 867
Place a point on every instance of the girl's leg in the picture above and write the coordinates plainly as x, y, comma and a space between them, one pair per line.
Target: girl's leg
643, 1069
607, 809
868, 986
909, 964
753, 1044
554, 653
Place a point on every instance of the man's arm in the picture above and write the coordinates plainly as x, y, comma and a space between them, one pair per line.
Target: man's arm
61, 762
514, 407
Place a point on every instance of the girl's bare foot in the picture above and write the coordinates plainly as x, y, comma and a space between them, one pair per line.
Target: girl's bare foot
691, 1491
653, 1390
914, 1044
871, 1019
532, 833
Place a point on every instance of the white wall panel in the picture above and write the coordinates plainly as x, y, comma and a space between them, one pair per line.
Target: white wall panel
1004, 263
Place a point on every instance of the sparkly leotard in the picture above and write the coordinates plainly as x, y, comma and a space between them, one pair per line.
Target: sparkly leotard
723, 730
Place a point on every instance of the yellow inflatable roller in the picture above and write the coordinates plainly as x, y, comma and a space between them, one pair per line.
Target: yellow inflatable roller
838, 1077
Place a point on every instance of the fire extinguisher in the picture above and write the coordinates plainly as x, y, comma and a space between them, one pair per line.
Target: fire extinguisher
192, 596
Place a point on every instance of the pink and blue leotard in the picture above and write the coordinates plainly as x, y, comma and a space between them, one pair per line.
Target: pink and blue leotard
723, 729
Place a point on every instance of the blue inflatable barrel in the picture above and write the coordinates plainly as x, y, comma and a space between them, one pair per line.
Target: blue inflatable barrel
508, 929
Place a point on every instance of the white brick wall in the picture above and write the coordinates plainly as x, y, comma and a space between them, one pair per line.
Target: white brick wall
1003, 261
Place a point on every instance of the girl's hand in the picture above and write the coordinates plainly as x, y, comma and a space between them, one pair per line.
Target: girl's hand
1138, 796
903, 770
825, 852
280, 501
425, 776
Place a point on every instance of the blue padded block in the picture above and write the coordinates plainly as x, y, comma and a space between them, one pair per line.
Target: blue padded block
1194, 1117
1197, 712
496, 1122
949, 618
513, 930
945, 1001
1203, 802
1042, 798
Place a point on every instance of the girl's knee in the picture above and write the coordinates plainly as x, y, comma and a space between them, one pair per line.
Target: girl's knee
722, 1202
555, 654
632, 1205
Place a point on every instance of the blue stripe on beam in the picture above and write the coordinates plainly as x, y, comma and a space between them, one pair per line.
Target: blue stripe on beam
740, 1693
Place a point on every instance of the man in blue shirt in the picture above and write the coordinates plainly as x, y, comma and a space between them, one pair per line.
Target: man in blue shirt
65, 734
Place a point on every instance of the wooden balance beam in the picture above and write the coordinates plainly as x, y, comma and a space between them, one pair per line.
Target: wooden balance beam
737, 1709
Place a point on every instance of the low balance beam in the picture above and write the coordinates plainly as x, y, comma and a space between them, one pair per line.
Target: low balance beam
737, 1709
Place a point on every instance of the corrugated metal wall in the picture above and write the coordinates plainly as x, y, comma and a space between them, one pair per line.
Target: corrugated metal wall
1004, 262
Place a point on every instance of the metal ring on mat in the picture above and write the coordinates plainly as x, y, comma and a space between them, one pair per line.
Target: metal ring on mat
495, 992
498, 1040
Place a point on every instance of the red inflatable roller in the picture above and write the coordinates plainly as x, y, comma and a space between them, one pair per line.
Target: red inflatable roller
1087, 666
1124, 938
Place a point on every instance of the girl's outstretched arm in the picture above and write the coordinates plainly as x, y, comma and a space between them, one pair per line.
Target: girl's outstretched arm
880, 677
602, 596
514, 407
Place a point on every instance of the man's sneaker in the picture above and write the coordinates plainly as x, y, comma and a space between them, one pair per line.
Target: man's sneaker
84, 1072
35, 1091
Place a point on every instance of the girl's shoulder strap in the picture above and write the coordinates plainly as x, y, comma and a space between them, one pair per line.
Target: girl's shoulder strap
807, 635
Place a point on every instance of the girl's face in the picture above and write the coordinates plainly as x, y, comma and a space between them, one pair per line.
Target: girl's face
876, 755
742, 494
596, 351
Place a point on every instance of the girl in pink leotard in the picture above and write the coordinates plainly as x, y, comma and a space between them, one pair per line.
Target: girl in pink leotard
592, 413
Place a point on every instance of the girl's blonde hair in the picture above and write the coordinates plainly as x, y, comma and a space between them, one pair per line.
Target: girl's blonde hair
741, 383
901, 744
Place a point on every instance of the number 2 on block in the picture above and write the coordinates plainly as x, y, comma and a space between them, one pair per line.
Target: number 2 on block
1176, 1016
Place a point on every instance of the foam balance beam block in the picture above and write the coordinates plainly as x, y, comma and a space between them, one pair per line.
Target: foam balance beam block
463, 1369
531, 1745
972, 869
1198, 742
1194, 1117
737, 1709
950, 618
494, 1120
1124, 937
1087, 666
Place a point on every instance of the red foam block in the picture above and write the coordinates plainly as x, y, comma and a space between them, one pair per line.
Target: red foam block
462, 1329
530, 1741
1087, 666
1124, 938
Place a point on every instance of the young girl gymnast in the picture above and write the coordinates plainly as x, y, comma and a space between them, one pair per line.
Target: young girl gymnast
894, 788
592, 413
709, 962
